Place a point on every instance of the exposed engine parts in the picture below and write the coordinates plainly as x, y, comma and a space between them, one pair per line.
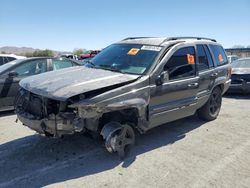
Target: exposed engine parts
46, 116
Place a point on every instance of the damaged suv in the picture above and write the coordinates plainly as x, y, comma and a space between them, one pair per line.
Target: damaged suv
135, 84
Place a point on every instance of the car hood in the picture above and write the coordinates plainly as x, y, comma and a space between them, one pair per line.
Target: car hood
240, 70
66, 83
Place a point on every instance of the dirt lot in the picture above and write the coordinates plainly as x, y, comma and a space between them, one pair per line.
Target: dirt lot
186, 153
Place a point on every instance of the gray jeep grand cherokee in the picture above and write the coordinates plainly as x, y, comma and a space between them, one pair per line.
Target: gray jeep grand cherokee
135, 84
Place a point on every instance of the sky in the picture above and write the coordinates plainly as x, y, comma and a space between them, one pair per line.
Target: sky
94, 24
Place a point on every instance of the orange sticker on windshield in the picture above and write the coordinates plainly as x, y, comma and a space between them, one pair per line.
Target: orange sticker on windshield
133, 51
190, 59
220, 58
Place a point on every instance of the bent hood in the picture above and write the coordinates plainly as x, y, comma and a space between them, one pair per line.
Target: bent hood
66, 83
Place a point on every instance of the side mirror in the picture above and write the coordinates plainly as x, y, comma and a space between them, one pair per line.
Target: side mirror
12, 74
164, 76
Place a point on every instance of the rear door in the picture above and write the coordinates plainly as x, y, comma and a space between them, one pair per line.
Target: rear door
175, 98
206, 70
221, 61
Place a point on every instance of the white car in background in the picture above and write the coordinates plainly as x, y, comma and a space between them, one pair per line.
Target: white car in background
5, 58
232, 58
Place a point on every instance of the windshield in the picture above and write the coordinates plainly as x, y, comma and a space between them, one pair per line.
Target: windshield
243, 63
6, 66
126, 58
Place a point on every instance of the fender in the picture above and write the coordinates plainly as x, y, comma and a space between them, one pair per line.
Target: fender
96, 110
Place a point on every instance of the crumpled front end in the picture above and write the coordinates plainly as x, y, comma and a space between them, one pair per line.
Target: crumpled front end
47, 116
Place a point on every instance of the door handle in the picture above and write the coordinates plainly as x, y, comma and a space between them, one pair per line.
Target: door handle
193, 85
214, 75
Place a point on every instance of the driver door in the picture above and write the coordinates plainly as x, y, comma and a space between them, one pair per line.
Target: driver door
175, 97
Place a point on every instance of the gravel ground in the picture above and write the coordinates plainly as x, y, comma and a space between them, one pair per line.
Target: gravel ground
185, 153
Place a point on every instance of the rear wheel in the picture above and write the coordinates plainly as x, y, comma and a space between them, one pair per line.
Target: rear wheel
211, 109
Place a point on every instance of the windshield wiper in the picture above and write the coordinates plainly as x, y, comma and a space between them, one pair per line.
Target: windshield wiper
90, 62
109, 67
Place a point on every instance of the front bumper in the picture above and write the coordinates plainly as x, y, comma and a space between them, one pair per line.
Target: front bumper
240, 87
54, 125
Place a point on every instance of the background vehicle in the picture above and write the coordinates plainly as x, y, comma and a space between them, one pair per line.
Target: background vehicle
11, 73
89, 54
5, 58
135, 84
232, 58
70, 56
240, 76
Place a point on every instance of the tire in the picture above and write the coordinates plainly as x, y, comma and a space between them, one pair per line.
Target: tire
211, 109
121, 140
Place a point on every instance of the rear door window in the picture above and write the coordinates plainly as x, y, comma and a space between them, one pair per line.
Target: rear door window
209, 56
202, 58
219, 54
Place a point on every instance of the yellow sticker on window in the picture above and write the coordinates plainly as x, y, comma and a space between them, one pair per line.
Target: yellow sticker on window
190, 59
133, 51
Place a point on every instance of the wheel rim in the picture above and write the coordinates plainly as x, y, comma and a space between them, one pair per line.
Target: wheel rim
215, 102
123, 140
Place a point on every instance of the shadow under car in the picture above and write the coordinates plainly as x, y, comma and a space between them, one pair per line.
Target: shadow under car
38, 161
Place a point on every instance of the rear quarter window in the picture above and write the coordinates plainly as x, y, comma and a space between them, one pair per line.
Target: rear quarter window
11, 59
1, 60
219, 55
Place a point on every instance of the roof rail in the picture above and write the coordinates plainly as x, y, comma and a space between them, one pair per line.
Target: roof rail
198, 38
130, 38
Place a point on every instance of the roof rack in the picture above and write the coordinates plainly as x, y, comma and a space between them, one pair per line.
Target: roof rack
131, 38
171, 38
198, 38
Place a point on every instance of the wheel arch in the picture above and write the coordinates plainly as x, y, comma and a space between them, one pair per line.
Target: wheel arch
124, 116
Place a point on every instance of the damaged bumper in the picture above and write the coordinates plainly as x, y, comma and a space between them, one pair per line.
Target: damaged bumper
47, 116
54, 125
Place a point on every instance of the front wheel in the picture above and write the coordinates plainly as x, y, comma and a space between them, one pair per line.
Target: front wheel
211, 108
120, 140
